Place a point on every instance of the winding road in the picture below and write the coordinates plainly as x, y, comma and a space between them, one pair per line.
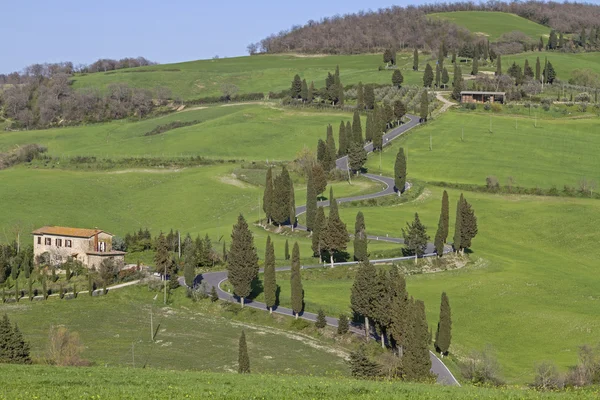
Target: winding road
444, 376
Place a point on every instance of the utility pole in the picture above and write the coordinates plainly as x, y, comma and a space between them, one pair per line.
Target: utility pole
490, 124
179, 243
133, 353
151, 326
348, 168
535, 120
430, 143
462, 135
165, 278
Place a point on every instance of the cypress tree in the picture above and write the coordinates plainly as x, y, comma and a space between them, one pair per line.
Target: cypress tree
416, 360
363, 293
19, 348
360, 96
319, 179
331, 147
296, 87
320, 223
499, 65
549, 73
439, 241
281, 197
445, 216
357, 156
527, 71
399, 110
400, 171
428, 76
399, 322
582, 38
468, 226
206, 254
270, 282
292, 206
321, 322
322, 154
242, 266
357, 128
561, 40
349, 136
378, 127
304, 91
5, 339
415, 238
361, 367
397, 78
334, 237
443, 334
383, 304
457, 83
360, 238
297, 292
342, 327
189, 263
457, 226
424, 106
369, 128
538, 70
445, 77
311, 202
311, 92
541, 44
369, 97
342, 140
416, 60
438, 75
475, 69
162, 258
453, 61
224, 252
243, 359
287, 250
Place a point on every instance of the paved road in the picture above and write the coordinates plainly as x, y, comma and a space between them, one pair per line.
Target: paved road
444, 376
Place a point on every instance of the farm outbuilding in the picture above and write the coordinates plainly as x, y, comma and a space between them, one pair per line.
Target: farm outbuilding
482, 97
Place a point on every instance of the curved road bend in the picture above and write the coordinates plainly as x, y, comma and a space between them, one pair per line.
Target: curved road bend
444, 376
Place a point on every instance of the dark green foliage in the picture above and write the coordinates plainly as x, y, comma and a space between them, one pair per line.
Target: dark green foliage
224, 252
287, 250
13, 348
383, 303
457, 83
378, 128
400, 171
415, 238
538, 70
292, 205
357, 128
331, 147
468, 227
311, 92
438, 75
296, 88
320, 322
304, 91
439, 241
334, 237
457, 240
387, 56
399, 311
357, 156
214, 297
360, 96
527, 70
342, 140
399, 110
361, 367
297, 292
170, 126
424, 105
322, 154
475, 69
319, 178
282, 190
417, 363
499, 65
369, 128
90, 284
445, 77
190, 262
360, 238
364, 292
343, 327
416, 60
369, 97
243, 359
320, 223
242, 265
515, 71
561, 39
311, 202
443, 335
339, 88
428, 76
269, 279
162, 258
445, 215
268, 195
397, 78
549, 73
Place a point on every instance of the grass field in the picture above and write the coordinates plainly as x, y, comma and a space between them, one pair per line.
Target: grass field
558, 152
194, 79
191, 336
493, 24
250, 132
57, 383
533, 275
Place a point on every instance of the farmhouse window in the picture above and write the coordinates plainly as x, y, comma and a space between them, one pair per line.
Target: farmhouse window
48, 241
39, 240
58, 242
68, 243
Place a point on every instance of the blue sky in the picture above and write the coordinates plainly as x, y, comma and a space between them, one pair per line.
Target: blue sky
164, 31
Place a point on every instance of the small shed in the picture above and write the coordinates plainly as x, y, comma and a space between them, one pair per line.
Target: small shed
482, 97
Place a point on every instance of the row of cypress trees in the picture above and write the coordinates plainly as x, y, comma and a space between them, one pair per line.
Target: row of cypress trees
279, 201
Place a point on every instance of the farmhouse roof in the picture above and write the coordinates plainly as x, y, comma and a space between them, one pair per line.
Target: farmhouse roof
478, 92
64, 231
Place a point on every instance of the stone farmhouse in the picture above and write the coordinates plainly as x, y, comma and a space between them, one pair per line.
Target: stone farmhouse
89, 246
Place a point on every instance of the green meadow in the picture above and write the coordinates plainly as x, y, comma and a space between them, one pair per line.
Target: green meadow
493, 24
49, 382
557, 152
262, 73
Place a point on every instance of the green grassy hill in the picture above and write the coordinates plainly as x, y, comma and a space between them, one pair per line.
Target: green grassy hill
493, 24
264, 73
57, 383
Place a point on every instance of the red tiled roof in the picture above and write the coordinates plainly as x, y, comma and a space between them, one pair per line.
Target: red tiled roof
64, 231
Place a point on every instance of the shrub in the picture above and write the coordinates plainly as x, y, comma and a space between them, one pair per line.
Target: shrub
299, 324
481, 367
491, 182
65, 348
343, 327
547, 377
487, 107
321, 322
583, 97
496, 107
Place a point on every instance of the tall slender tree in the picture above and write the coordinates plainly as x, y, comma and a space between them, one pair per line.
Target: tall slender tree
443, 335
383, 304
399, 110
457, 83
320, 223
457, 226
397, 78
369, 97
399, 311
538, 70
357, 156
445, 77
292, 206
417, 363
424, 112
319, 178
270, 281
311, 92
304, 91
428, 76
445, 216
242, 265
363, 293
331, 147
189, 263
297, 292
323, 154
468, 227
311, 202
416, 60
369, 127
342, 140
360, 238
475, 69
296, 87
357, 128
282, 190
243, 359
286, 250
334, 237
360, 96
400, 171
499, 65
